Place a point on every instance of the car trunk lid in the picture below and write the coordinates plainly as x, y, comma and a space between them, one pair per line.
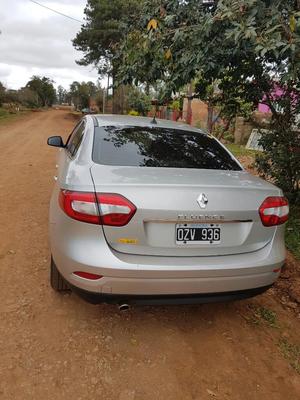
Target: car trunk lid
168, 199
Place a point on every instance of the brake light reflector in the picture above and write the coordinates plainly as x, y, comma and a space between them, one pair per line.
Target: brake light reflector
274, 211
88, 275
115, 209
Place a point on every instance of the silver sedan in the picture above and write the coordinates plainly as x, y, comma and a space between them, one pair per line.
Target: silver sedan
151, 213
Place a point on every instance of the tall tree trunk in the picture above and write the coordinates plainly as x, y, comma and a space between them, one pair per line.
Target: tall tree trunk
114, 105
210, 114
189, 116
225, 128
116, 94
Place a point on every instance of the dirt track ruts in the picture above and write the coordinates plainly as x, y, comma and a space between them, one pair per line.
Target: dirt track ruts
59, 347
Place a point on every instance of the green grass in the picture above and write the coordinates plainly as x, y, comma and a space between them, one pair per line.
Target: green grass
268, 316
6, 116
238, 150
293, 232
291, 352
263, 315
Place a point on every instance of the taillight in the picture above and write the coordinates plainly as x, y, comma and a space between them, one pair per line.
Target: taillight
274, 211
81, 206
115, 210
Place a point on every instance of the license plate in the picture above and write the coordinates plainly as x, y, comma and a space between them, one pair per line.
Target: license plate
198, 234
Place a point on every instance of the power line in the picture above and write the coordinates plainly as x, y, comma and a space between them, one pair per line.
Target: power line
55, 11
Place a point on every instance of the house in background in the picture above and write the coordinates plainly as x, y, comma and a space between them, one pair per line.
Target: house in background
264, 109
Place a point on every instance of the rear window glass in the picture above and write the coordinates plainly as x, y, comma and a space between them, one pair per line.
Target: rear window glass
159, 147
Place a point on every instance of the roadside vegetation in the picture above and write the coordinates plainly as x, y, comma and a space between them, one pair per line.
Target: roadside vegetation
293, 232
258, 315
293, 225
238, 150
291, 352
7, 116
4, 114
37, 93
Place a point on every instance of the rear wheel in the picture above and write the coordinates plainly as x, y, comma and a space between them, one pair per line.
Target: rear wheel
56, 280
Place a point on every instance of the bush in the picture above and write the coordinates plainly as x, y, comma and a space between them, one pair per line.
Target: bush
139, 101
200, 124
175, 105
3, 113
229, 137
280, 160
133, 113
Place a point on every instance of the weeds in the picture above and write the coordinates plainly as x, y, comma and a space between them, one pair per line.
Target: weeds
238, 150
292, 236
291, 352
262, 314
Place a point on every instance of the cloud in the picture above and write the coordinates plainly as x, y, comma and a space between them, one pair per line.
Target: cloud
5, 70
36, 41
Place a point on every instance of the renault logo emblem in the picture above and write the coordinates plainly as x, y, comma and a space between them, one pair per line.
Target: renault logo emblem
202, 200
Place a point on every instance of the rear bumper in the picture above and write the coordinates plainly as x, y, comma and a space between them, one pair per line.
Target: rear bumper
203, 298
76, 246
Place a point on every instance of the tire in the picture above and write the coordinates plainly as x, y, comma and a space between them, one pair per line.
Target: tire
56, 280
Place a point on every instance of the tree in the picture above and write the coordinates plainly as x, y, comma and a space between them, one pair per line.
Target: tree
81, 93
250, 46
12, 97
105, 26
2, 93
74, 93
226, 99
28, 98
102, 31
44, 89
138, 100
61, 95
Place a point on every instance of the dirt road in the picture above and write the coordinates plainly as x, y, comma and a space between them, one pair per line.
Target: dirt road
59, 347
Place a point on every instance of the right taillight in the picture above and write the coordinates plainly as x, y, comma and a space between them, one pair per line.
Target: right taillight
115, 209
274, 211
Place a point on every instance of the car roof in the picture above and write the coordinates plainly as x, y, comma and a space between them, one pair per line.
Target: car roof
128, 120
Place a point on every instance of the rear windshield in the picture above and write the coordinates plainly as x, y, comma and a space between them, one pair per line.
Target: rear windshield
159, 147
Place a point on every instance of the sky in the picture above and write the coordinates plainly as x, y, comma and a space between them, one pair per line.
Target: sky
36, 41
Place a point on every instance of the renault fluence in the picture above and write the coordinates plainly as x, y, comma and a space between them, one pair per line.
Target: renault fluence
157, 212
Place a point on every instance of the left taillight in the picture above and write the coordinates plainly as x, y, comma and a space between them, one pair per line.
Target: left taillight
81, 206
274, 211
115, 209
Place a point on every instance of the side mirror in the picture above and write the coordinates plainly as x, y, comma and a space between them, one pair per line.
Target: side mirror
55, 141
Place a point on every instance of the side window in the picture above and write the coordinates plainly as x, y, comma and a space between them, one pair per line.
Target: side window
75, 139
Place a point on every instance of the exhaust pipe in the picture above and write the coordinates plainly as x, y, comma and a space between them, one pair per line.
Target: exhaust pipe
124, 307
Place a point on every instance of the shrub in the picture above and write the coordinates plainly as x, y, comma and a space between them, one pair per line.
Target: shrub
229, 137
280, 160
133, 113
